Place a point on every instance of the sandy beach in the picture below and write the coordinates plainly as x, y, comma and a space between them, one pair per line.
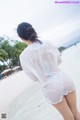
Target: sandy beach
12, 86
22, 98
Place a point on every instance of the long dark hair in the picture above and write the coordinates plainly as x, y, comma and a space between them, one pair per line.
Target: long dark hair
27, 32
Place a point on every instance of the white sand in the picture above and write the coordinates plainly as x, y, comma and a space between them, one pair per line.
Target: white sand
29, 102
12, 86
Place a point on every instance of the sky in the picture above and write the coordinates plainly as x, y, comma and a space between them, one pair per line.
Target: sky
51, 21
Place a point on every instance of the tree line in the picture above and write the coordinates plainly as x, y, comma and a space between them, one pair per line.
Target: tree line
9, 52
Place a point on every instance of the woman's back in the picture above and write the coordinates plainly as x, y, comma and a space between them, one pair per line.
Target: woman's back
41, 60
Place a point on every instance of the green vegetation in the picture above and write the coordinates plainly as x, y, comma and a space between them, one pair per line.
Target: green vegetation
61, 48
9, 52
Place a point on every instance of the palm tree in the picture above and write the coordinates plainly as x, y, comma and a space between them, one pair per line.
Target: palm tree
9, 53
3, 58
17, 49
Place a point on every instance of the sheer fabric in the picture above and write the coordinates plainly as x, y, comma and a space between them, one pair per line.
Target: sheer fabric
40, 62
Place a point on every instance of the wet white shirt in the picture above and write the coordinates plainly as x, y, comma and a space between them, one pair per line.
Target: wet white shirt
40, 61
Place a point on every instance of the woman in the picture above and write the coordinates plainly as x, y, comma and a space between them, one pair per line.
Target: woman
40, 60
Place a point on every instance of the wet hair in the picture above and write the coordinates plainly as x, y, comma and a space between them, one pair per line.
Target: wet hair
27, 32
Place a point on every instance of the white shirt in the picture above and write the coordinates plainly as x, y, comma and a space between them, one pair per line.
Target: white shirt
40, 62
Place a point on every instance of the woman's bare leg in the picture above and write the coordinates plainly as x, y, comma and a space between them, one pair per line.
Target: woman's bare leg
64, 109
72, 102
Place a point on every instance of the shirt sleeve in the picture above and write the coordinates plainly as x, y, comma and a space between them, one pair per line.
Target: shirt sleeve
27, 69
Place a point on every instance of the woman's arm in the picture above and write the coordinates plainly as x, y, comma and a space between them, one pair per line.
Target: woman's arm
27, 69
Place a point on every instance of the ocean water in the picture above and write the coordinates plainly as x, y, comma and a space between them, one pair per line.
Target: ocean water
31, 104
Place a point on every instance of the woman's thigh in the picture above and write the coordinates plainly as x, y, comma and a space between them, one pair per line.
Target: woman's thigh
64, 109
72, 103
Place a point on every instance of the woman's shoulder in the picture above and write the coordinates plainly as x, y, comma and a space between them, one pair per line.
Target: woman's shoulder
50, 44
24, 54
